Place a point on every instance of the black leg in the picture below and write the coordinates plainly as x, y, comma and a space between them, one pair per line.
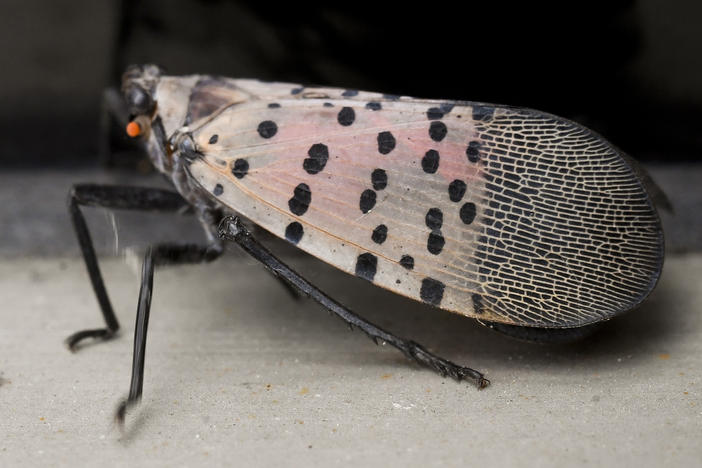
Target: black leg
162, 254
116, 197
232, 229
136, 384
129, 198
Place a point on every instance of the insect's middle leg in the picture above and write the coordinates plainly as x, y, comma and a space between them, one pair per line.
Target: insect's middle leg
232, 229
127, 198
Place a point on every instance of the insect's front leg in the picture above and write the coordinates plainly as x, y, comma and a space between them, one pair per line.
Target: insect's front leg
157, 255
136, 383
128, 198
232, 229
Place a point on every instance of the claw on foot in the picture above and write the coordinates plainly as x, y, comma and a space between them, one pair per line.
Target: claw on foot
465, 373
482, 383
74, 340
121, 412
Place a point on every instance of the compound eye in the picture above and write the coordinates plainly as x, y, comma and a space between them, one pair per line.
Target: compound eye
138, 100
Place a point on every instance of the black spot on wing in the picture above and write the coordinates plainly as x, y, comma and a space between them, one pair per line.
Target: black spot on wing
379, 179
374, 106
432, 291
367, 200
386, 142
346, 116
300, 202
294, 232
213, 139
350, 93
430, 161
456, 190
407, 262
218, 190
434, 218
318, 157
267, 129
240, 168
366, 266
434, 113
437, 131
380, 233
467, 213
435, 242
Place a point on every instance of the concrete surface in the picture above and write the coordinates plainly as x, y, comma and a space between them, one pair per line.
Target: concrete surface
238, 374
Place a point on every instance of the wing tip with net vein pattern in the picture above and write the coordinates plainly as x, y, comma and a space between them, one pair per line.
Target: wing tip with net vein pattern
571, 235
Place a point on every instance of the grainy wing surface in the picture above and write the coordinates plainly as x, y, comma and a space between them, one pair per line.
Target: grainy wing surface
498, 213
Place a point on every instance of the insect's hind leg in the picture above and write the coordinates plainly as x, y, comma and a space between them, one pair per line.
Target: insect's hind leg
232, 229
127, 198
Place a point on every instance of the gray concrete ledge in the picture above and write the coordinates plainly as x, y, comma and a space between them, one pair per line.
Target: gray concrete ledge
238, 375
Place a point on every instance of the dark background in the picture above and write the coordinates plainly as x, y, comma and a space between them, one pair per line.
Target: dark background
628, 69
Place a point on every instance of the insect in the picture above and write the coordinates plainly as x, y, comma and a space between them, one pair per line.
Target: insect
527, 222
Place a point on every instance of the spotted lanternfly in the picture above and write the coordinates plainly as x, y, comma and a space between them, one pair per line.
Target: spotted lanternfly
530, 223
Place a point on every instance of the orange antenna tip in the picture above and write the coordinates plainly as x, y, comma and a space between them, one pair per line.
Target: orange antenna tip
133, 129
